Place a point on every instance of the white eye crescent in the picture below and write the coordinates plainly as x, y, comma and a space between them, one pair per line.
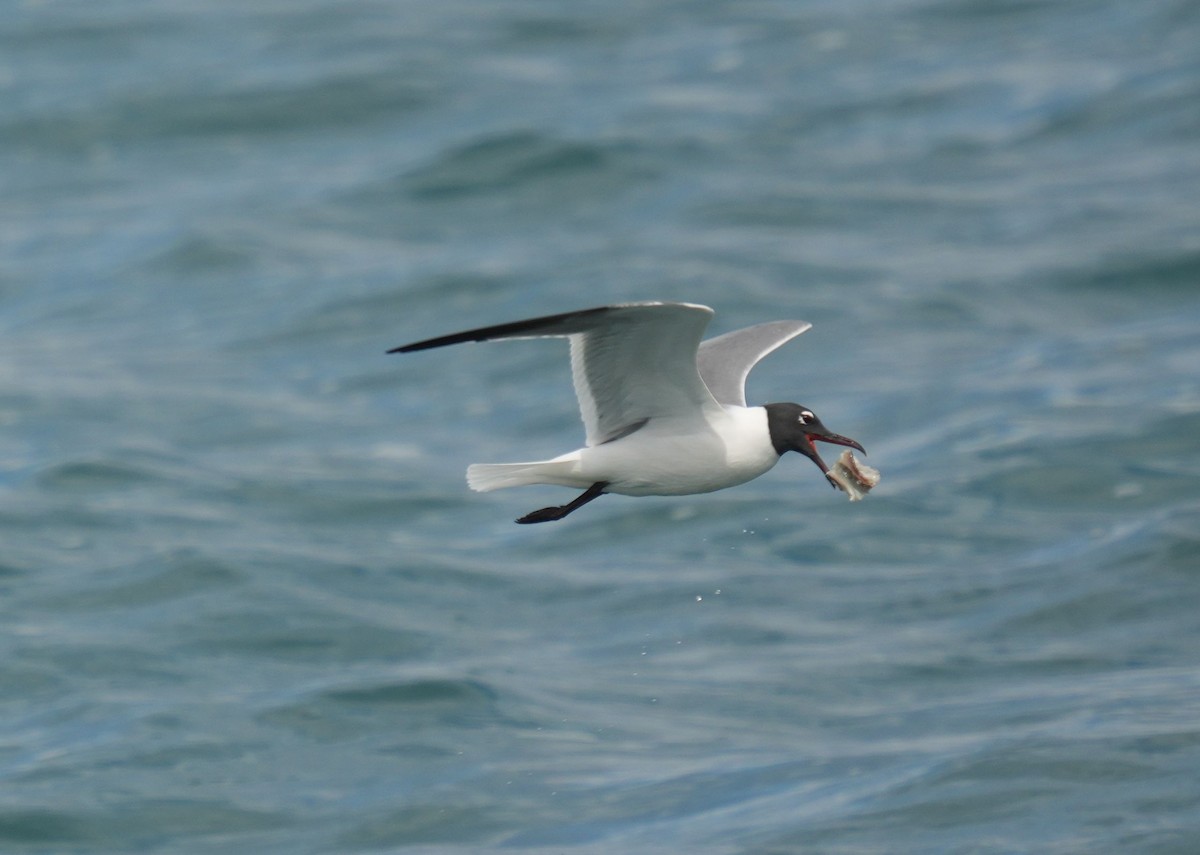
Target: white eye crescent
806, 416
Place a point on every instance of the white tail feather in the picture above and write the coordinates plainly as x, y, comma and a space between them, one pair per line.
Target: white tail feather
496, 476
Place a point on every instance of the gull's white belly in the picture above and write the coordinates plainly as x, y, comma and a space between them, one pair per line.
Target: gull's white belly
669, 459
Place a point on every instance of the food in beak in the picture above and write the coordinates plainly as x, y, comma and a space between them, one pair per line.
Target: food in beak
852, 476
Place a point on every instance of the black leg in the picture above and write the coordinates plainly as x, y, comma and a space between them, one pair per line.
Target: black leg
559, 511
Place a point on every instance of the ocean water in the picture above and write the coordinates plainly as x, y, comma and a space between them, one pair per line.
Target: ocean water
247, 602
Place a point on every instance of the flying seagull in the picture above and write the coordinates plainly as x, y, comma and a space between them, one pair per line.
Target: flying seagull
665, 413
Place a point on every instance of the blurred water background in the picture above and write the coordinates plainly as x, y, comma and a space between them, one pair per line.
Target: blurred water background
247, 603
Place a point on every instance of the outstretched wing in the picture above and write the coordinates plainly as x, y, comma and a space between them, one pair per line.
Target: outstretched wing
726, 360
631, 362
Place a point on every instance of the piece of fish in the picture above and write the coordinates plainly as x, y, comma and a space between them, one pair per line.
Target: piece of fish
853, 476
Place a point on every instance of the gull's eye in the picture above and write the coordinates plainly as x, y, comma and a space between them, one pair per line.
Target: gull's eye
806, 416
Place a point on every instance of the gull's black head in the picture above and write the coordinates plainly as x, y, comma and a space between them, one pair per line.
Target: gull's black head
795, 427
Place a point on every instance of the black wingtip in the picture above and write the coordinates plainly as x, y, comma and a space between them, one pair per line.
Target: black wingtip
516, 329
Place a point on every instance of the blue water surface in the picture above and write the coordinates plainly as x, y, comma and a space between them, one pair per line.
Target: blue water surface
247, 602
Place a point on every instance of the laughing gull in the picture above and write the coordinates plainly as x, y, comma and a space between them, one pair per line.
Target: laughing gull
665, 413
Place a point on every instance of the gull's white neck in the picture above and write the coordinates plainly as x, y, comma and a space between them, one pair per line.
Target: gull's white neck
747, 438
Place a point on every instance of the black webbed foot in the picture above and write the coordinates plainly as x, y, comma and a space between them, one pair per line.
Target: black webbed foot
544, 515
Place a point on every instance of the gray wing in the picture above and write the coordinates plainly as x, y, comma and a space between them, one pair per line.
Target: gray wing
725, 361
630, 362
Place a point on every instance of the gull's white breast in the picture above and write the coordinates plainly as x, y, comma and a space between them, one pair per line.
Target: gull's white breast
674, 457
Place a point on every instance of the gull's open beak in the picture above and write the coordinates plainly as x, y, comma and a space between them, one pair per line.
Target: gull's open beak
836, 439
822, 435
